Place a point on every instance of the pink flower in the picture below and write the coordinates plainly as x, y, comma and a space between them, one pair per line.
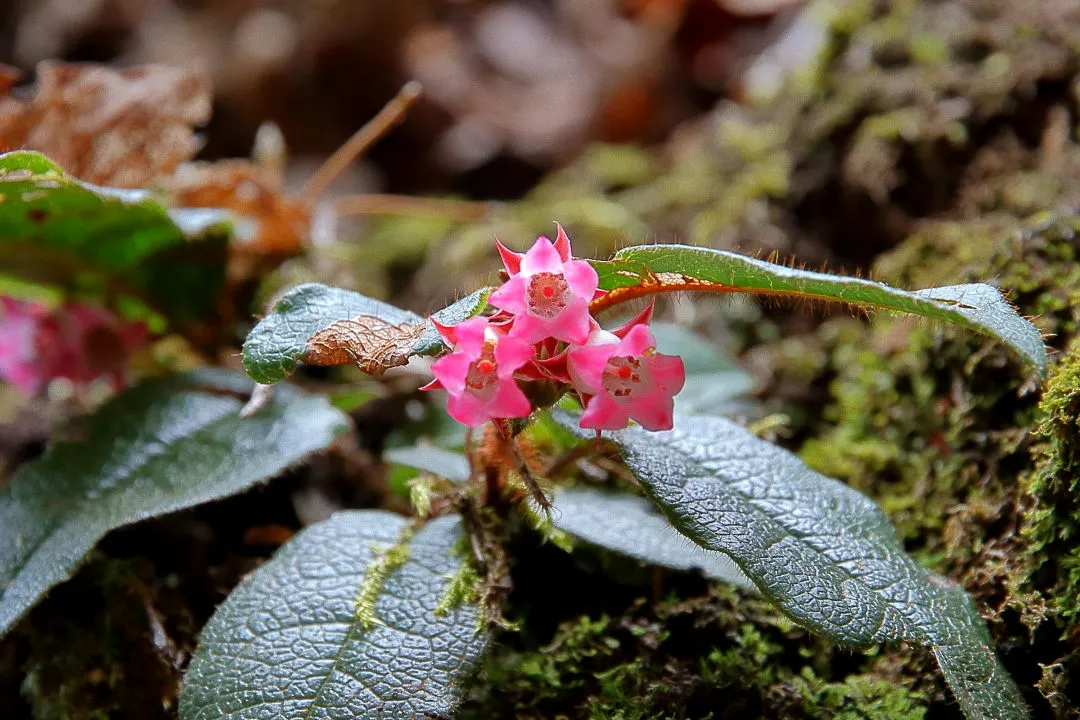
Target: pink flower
479, 373
625, 378
548, 293
78, 342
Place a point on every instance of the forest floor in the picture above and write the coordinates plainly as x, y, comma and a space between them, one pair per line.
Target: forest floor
936, 143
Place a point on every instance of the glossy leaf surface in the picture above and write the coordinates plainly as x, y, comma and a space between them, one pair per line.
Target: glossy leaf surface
59, 231
160, 447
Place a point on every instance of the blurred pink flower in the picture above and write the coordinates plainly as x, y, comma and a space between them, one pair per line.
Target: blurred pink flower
625, 378
548, 293
479, 372
77, 341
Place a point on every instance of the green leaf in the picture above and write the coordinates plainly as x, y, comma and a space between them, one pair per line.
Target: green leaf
649, 269
346, 327
824, 553
350, 619
430, 343
162, 446
631, 526
713, 380
428, 458
59, 231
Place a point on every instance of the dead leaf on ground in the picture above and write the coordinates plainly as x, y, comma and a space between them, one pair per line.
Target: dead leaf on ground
249, 190
373, 344
123, 128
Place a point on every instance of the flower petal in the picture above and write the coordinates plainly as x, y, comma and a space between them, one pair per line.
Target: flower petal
511, 353
530, 329
509, 402
446, 332
510, 296
467, 409
573, 324
511, 260
542, 257
470, 336
637, 341
603, 413
655, 411
562, 243
642, 318
451, 371
582, 278
668, 371
587, 366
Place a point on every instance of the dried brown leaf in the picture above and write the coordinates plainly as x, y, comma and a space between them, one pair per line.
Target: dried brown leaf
374, 345
124, 128
252, 191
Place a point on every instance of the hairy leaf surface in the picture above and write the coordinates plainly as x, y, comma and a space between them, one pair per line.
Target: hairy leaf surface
824, 553
297, 639
630, 525
650, 269
59, 231
329, 326
162, 446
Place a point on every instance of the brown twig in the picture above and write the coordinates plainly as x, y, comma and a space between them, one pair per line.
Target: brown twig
365, 137
461, 211
522, 468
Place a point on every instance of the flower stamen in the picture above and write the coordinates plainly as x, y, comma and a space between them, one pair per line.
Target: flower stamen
548, 295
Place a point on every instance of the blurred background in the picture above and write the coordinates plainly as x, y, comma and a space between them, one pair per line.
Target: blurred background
514, 88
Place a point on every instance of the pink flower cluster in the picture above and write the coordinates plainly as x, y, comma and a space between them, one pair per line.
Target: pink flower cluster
79, 342
543, 332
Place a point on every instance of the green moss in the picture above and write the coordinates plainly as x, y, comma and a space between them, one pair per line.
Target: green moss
1052, 522
932, 421
859, 697
464, 588
562, 666
386, 561
751, 662
723, 653
936, 424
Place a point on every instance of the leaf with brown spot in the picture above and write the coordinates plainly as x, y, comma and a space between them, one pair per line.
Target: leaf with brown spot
372, 343
313, 312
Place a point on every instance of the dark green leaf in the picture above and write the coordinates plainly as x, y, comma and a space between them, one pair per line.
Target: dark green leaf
631, 526
347, 327
649, 269
160, 447
351, 619
713, 380
825, 554
59, 231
